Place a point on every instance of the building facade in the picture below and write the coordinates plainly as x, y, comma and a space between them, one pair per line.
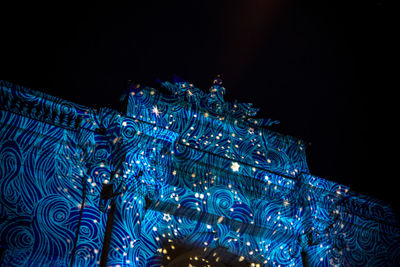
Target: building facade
178, 179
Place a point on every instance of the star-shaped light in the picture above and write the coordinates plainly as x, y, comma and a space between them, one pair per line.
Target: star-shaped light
235, 166
156, 111
167, 217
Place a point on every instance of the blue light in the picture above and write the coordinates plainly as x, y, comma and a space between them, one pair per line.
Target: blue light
193, 179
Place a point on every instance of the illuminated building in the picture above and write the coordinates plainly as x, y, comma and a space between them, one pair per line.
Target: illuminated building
181, 179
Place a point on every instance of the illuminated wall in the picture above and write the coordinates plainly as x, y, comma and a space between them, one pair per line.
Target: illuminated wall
195, 180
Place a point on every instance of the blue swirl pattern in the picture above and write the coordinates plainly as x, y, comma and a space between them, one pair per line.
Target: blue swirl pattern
191, 175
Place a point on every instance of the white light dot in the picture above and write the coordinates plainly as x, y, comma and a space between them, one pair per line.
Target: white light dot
235, 166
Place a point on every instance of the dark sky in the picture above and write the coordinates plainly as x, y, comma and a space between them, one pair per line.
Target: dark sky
320, 68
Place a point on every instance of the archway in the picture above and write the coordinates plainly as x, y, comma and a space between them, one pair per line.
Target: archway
187, 255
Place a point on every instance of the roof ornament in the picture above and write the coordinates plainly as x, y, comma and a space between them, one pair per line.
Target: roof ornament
214, 101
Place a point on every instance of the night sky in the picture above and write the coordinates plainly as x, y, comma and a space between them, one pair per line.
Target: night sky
321, 69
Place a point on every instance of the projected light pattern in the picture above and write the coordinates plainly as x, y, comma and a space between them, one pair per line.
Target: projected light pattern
195, 180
